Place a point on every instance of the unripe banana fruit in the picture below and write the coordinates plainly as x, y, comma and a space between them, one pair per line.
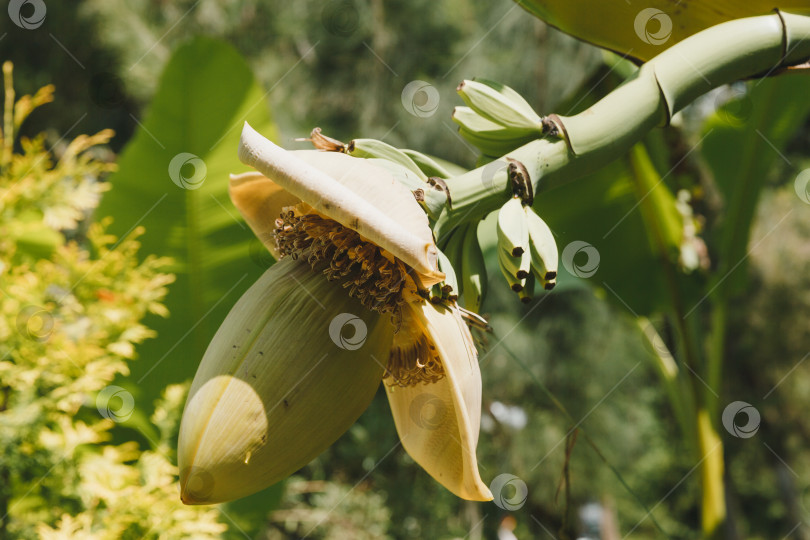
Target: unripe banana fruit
451, 257
498, 119
500, 104
542, 248
513, 228
372, 148
527, 293
509, 270
473, 270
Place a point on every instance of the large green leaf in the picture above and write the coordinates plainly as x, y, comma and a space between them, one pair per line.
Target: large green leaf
205, 94
744, 143
643, 30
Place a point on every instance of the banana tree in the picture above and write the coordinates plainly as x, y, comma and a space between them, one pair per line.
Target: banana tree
416, 257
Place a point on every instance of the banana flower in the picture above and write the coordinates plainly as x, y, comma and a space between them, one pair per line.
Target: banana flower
301, 354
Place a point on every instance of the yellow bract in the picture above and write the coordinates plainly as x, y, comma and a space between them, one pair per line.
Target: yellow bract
351, 191
274, 389
438, 423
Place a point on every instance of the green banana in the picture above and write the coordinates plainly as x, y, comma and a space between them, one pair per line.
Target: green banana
508, 269
489, 137
449, 288
372, 148
422, 165
499, 104
405, 170
513, 229
412, 169
527, 293
547, 284
542, 247
428, 165
520, 267
498, 119
473, 270
452, 250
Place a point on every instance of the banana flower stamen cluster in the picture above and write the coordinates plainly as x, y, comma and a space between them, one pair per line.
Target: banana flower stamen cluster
282, 380
342, 255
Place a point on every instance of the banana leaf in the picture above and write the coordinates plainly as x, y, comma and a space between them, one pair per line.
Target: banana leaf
642, 31
189, 137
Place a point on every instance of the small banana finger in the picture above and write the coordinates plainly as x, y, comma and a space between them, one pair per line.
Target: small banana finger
473, 270
513, 230
542, 246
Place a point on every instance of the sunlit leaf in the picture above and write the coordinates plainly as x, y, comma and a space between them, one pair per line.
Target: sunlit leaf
644, 30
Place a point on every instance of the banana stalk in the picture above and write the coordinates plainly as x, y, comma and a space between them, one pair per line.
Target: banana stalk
660, 88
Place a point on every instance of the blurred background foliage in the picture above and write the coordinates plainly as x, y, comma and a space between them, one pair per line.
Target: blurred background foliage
74, 298
342, 65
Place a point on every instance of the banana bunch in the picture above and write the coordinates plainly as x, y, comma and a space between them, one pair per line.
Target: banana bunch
496, 119
527, 251
467, 274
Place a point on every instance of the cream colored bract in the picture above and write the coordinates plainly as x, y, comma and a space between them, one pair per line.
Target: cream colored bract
278, 385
